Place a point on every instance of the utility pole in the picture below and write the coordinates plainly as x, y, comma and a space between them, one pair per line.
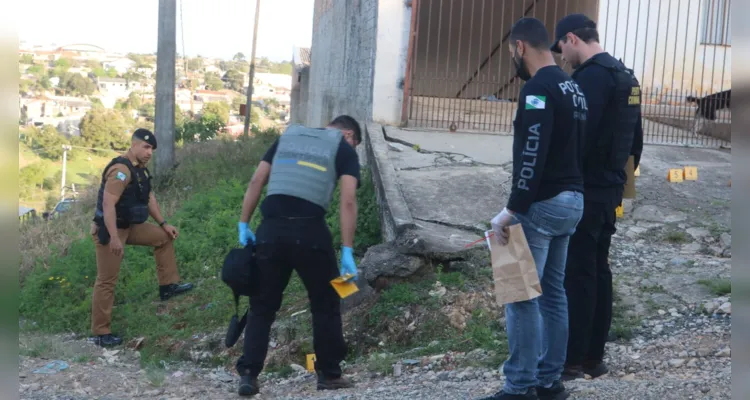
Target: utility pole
252, 71
165, 82
66, 148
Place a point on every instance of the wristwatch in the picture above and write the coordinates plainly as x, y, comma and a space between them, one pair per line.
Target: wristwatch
163, 223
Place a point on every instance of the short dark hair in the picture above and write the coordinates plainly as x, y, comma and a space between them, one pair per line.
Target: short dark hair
532, 32
347, 122
588, 35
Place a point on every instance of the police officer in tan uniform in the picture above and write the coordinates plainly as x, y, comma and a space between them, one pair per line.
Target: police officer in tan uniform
123, 206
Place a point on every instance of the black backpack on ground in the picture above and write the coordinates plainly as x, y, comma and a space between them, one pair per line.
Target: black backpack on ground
238, 273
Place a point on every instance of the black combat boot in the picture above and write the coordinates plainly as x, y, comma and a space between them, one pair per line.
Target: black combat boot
248, 386
329, 383
166, 292
107, 340
595, 369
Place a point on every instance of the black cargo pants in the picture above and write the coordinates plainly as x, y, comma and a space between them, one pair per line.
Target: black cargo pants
588, 283
304, 247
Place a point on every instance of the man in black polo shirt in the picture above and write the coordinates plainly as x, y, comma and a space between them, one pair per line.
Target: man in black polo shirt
613, 133
301, 169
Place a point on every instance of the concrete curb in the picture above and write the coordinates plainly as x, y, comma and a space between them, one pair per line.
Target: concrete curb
395, 217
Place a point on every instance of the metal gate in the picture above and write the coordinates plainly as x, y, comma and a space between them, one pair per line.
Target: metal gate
460, 75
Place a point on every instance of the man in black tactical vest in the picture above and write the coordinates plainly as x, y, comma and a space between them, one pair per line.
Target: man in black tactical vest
301, 169
124, 204
614, 133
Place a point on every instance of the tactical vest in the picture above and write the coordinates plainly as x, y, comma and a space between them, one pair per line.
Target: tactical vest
620, 118
304, 165
132, 207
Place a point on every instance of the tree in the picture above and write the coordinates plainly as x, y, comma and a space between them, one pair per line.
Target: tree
133, 76
31, 177
96, 103
36, 70
47, 142
213, 81
107, 129
239, 57
79, 85
111, 72
218, 109
148, 110
202, 129
45, 83
235, 79
134, 101
195, 64
26, 59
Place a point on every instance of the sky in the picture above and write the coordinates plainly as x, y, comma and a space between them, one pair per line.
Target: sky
212, 28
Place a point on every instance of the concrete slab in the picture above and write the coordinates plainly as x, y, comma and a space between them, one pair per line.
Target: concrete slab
486, 149
441, 239
405, 157
458, 196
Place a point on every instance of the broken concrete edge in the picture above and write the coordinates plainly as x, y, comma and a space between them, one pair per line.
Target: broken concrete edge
395, 217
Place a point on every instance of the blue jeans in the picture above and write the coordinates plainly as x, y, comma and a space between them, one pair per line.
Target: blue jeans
538, 328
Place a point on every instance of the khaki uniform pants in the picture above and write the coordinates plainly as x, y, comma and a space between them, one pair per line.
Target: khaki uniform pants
108, 267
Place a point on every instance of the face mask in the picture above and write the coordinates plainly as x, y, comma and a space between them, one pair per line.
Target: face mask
521, 70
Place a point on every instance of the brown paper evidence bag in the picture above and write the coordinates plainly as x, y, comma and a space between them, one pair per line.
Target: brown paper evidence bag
513, 268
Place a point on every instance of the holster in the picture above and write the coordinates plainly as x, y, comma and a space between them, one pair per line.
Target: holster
102, 233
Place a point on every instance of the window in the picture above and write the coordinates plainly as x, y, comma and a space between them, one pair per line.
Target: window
717, 27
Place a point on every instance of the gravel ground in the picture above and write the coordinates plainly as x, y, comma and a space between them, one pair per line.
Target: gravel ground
679, 347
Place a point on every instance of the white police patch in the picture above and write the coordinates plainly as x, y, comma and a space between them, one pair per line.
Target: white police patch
121, 176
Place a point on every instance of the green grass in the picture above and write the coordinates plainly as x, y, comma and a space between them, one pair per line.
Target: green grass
623, 324
717, 286
203, 199
676, 237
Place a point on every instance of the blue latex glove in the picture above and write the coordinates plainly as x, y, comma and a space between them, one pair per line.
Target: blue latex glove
245, 233
347, 262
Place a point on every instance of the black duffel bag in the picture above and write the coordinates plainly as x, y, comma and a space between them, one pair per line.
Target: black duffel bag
238, 273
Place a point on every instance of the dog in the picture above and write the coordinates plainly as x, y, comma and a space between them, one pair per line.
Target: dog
708, 105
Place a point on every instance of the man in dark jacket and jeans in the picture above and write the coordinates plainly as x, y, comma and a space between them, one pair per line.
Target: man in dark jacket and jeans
547, 200
613, 134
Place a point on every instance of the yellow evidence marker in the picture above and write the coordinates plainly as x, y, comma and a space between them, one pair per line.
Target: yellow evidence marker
690, 173
675, 175
311, 362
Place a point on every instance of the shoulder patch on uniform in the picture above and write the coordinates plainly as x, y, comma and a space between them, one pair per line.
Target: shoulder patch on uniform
535, 102
121, 176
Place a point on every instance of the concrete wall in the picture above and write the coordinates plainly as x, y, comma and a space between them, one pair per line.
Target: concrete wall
342, 62
300, 92
665, 50
394, 20
453, 41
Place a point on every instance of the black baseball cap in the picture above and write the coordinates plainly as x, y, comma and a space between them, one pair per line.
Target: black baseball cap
145, 135
570, 23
